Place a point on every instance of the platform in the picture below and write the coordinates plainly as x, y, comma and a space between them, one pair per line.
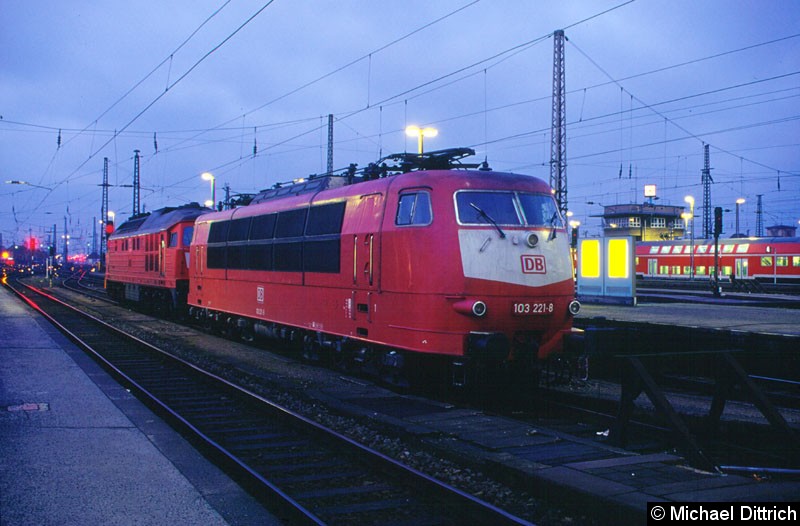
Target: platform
720, 316
76, 448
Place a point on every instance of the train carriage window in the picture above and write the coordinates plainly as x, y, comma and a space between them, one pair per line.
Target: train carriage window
796, 261
702, 249
727, 249
654, 249
218, 232
483, 208
782, 261
187, 236
700, 270
291, 223
414, 208
263, 227
325, 219
239, 229
742, 249
766, 261
540, 210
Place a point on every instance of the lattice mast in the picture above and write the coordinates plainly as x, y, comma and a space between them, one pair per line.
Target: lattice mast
136, 208
759, 217
558, 143
104, 212
706, 180
330, 143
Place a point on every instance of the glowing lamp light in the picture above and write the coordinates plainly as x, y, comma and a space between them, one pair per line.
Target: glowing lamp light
419, 133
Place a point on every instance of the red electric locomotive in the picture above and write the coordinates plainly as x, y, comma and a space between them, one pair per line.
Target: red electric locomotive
470, 265
768, 260
147, 258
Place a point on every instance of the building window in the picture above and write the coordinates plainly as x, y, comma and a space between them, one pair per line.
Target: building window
658, 222
634, 222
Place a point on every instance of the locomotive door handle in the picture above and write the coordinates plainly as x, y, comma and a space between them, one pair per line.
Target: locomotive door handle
355, 259
371, 236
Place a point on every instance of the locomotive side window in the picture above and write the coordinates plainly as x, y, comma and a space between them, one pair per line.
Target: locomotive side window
414, 209
218, 232
187, 236
216, 257
291, 223
325, 219
288, 255
263, 227
322, 245
173, 239
239, 229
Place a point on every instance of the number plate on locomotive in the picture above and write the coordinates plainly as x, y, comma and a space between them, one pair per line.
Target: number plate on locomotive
532, 309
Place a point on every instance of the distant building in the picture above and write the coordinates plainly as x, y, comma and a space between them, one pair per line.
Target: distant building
781, 231
645, 222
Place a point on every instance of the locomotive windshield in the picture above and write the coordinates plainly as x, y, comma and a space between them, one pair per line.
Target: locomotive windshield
507, 208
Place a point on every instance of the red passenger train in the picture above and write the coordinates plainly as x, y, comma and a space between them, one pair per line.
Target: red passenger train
766, 259
378, 269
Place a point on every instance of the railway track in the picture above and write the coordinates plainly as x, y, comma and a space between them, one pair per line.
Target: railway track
312, 474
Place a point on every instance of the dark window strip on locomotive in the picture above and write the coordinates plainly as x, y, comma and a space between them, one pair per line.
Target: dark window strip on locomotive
319, 250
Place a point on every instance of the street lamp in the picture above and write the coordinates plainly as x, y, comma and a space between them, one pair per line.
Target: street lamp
739, 201
689, 199
207, 176
419, 133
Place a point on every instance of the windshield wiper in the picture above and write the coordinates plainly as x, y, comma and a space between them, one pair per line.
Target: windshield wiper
489, 219
553, 219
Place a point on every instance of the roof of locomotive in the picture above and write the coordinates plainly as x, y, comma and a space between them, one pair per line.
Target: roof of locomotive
441, 167
159, 220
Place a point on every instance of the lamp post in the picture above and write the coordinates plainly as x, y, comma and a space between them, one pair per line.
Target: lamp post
208, 176
419, 133
739, 201
689, 199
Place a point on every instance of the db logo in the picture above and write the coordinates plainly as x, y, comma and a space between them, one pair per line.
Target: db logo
533, 264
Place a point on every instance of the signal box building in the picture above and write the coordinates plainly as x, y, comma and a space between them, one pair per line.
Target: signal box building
645, 222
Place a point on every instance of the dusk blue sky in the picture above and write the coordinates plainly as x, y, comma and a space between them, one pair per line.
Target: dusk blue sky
649, 82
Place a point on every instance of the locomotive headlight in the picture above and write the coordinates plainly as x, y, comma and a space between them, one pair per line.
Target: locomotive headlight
574, 307
532, 239
479, 308
475, 308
